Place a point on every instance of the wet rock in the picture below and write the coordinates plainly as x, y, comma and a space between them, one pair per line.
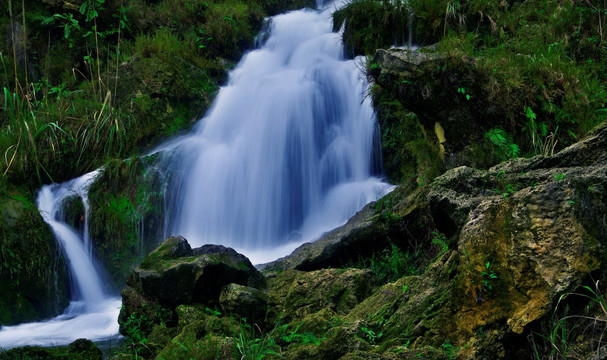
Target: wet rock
323, 252
371, 230
33, 274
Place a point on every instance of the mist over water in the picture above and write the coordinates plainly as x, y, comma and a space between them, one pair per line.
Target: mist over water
287, 151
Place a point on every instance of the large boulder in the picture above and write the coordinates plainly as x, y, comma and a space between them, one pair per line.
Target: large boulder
176, 275
173, 275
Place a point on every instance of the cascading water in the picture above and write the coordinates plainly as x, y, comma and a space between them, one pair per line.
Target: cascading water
287, 150
93, 312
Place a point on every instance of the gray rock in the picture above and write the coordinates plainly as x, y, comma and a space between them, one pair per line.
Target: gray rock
404, 60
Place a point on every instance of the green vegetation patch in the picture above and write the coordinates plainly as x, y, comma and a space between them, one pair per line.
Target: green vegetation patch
33, 280
126, 203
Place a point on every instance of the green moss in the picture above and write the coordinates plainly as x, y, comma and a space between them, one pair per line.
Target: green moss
126, 200
33, 280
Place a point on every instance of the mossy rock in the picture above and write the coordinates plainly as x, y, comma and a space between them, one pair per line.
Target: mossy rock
171, 277
293, 294
126, 201
371, 24
72, 211
33, 281
244, 301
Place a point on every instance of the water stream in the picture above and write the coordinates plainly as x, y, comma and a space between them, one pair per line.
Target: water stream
93, 311
288, 151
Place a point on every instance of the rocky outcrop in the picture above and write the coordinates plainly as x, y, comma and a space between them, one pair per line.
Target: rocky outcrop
517, 238
295, 294
325, 250
371, 230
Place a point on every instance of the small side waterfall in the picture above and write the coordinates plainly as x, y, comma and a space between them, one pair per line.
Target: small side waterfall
92, 312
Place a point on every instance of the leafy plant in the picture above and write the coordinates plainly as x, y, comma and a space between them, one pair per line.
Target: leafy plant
489, 277
390, 264
440, 240
371, 335
543, 142
250, 343
449, 349
503, 144
559, 177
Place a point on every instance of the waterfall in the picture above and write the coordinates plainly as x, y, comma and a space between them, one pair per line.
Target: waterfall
287, 150
92, 312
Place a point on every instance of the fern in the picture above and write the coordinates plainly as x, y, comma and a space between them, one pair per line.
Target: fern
504, 147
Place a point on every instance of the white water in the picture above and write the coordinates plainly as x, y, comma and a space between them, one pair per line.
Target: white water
92, 313
287, 150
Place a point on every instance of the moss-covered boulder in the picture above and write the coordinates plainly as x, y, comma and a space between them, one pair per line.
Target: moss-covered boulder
33, 275
174, 275
244, 301
295, 294
175, 280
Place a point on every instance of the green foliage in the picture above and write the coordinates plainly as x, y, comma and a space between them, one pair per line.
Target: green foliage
289, 334
571, 330
440, 240
371, 335
110, 78
391, 263
488, 277
449, 349
559, 177
252, 344
504, 146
